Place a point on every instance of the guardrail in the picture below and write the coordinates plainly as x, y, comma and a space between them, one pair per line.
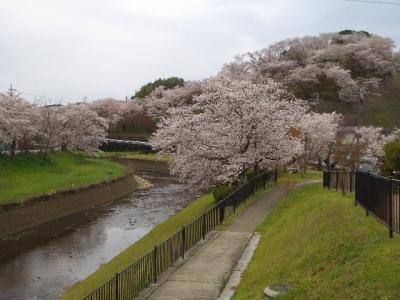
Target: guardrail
132, 280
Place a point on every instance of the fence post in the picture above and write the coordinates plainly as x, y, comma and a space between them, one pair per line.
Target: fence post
183, 241
116, 286
337, 180
221, 212
355, 187
329, 180
390, 219
369, 193
351, 181
204, 226
276, 176
155, 264
264, 179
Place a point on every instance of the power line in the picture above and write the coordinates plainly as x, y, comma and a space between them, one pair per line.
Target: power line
376, 2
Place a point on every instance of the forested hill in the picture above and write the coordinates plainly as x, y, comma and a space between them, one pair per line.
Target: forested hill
381, 108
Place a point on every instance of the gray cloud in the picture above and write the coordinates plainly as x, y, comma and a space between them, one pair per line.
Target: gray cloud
66, 50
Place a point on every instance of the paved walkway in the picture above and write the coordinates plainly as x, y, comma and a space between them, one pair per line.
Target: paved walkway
205, 273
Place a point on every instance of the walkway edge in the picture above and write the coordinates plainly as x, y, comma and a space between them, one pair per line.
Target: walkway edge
236, 275
147, 292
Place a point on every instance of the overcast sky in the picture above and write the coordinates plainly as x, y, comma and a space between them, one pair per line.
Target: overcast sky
68, 49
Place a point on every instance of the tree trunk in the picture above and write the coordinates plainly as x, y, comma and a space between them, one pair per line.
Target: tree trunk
255, 169
320, 164
343, 182
242, 178
13, 147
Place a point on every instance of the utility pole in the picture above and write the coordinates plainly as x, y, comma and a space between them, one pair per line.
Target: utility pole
12, 91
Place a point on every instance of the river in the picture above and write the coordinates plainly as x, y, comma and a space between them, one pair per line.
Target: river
49, 263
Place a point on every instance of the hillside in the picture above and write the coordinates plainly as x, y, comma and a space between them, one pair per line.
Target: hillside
381, 109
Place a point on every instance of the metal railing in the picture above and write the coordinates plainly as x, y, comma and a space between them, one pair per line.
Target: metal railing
139, 275
336, 180
379, 195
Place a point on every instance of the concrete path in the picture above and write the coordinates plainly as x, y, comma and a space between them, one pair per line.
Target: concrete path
204, 274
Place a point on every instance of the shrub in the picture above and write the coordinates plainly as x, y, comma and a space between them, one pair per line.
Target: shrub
222, 191
392, 159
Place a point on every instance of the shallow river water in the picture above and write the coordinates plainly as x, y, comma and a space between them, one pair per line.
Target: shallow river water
48, 266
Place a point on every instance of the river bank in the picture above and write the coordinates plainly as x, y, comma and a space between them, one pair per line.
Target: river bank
58, 254
15, 218
27, 176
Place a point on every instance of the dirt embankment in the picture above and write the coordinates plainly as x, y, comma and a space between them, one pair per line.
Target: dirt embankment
37, 211
135, 165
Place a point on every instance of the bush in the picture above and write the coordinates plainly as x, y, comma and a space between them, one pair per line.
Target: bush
392, 159
222, 191
168, 83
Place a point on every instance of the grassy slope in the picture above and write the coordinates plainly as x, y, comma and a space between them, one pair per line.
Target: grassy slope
137, 250
323, 247
135, 155
285, 178
28, 175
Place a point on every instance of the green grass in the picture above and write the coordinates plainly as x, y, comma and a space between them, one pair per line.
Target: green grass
243, 207
141, 247
27, 175
135, 155
284, 178
323, 247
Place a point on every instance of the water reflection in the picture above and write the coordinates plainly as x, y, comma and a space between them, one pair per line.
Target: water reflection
89, 240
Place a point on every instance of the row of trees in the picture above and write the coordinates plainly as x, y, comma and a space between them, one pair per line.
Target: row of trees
49, 127
230, 126
250, 115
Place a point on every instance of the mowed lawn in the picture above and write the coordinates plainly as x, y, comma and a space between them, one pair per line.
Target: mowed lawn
323, 247
157, 235
27, 175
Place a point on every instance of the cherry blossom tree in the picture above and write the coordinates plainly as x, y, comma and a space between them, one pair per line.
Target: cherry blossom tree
373, 141
70, 127
82, 128
161, 99
348, 151
231, 127
355, 145
109, 109
15, 120
352, 62
317, 133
